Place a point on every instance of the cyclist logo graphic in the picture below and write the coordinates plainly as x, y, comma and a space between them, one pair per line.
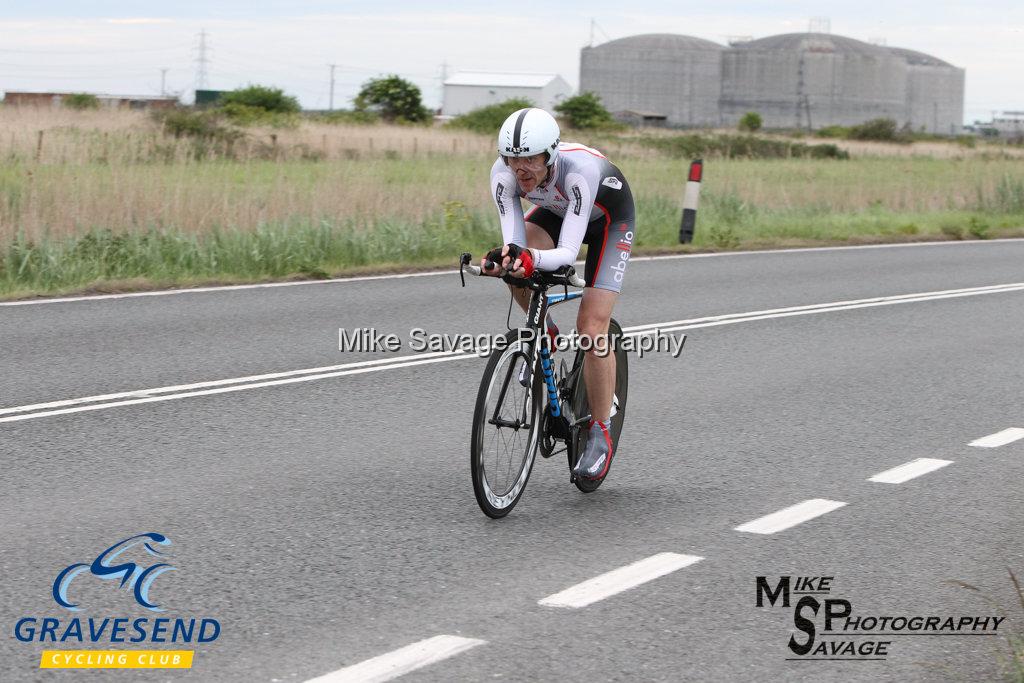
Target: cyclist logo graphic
136, 577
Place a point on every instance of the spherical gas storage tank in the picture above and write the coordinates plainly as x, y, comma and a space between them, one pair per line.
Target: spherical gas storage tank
935, 93
811, 80
659, 73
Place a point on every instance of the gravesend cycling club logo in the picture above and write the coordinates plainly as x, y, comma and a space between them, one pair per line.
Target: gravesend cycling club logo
137, 577
830, 630
133, 565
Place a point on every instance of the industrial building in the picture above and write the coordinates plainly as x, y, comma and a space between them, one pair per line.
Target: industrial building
469, 90
796, 80
54, 99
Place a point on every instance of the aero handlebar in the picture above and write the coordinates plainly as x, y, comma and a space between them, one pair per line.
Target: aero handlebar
566, 275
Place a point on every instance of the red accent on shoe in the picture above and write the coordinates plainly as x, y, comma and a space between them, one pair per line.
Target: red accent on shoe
608, 440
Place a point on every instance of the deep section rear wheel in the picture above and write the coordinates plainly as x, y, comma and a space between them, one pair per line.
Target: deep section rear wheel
581, 407
506, 425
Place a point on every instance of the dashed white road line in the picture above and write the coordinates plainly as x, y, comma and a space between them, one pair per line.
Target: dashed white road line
791, 516
909, 470
619, 580
99, 402
399, 276
400, 662
999, 438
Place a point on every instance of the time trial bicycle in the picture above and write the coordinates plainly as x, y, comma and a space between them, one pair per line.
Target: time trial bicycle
525, 404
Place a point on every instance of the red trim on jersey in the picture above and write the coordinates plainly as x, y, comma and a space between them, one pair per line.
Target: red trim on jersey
607, 222
584, 149
531, 212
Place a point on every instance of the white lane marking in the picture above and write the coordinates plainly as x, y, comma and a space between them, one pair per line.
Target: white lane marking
791, 516
222, 288
400, 662
145, 393
999, 438
243, 383
229, 389
834, 306
619, 580
398, 276
909, 470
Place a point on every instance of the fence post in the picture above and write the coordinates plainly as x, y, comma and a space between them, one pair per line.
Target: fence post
690, 200
39, 146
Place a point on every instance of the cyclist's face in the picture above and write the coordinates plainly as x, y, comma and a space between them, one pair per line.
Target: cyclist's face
530, 171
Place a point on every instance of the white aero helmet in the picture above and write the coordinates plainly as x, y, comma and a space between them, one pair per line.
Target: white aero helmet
528, 132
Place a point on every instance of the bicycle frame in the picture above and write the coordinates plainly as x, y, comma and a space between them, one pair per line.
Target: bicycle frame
540, 303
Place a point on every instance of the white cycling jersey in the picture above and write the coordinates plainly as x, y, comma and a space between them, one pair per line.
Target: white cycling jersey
571, 192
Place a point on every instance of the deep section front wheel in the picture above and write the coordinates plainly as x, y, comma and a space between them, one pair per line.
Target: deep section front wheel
581, 407
506, 425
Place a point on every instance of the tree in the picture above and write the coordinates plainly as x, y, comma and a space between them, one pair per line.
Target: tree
394, 98
80, 101
262, 97
876, 129
751, 122
586, 111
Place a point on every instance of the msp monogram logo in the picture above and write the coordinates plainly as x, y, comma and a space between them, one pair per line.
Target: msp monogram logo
136, 577
127, 564
829, 629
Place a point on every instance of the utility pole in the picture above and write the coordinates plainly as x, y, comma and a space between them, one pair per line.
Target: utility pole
800, 95
202, 61
163, 82
330, 106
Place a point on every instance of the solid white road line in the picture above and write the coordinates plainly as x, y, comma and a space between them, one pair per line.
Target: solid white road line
619, 580
852, 304
145, 393
256, 381
907, 471
999, 438
398, 276
791, 516
402, 661
225, 390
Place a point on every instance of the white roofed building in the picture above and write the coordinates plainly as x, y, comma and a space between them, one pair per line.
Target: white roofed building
469, 90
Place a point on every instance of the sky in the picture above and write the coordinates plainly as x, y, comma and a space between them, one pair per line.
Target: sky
114, 46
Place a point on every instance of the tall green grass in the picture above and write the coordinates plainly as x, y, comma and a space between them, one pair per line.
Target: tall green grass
101, 258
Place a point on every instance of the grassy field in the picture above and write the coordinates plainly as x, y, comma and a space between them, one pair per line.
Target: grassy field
110, 200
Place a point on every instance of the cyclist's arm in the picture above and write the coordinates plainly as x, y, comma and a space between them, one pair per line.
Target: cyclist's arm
504, 192
574, 226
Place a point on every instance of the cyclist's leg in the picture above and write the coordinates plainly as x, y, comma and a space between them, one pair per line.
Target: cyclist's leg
599, 368
609, 243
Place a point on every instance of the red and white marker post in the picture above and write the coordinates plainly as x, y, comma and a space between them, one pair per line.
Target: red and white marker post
690, 200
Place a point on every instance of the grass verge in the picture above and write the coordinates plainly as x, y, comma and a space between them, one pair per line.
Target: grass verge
106, 261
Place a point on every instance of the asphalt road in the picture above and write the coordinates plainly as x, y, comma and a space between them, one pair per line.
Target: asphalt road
323, 523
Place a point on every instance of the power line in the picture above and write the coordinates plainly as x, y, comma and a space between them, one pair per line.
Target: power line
202, 62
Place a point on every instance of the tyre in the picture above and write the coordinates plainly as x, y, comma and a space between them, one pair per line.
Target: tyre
506, 426
581, 407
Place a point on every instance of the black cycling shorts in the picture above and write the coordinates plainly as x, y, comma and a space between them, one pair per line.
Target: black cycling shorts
609, 238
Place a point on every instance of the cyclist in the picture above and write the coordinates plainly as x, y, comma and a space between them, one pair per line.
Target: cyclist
579, 197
